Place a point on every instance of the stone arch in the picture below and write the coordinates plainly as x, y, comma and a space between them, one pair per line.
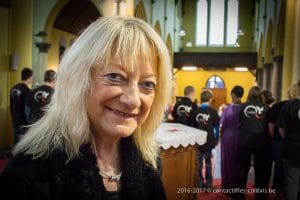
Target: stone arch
53, 15
140, 12
169, 44
55, 11
157, 27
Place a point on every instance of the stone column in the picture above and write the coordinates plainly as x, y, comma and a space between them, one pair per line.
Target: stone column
43, 48
277, 77
288, 53
259, 77
296, 63
267, 75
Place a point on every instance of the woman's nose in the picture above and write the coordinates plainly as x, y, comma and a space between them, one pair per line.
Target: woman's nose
131, 96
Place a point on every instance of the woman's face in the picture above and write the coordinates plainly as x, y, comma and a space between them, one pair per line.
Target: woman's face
120, 100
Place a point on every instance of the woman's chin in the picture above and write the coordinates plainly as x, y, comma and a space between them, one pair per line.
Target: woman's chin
122, 131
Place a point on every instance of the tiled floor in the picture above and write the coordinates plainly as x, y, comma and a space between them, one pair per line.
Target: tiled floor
216, 195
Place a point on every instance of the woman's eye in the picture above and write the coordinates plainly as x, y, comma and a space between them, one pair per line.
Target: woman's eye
115, 77
149, 85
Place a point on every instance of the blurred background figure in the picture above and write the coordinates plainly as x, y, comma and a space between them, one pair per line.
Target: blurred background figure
253, 142
206, 118
39, 97
18, 95
268, 98
184, 107
230, 130
272, 118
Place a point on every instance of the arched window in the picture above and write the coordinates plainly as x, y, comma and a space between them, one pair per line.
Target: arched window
217, 22
215, 82
232, 22
201, 23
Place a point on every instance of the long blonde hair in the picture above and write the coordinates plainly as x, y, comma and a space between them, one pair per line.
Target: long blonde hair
66, 125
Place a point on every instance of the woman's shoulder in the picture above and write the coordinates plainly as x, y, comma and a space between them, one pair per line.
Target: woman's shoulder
22, 165
25, 177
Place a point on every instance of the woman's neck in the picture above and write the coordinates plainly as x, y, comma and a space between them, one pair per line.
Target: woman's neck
107, 152
109, 162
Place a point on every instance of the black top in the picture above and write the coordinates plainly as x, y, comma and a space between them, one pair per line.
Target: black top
272, 116
54, 178
18, 95
37, 99
182, 111
111, 195
206, 118
289, 120
253, 128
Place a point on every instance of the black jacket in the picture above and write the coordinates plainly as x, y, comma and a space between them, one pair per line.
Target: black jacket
183, 110
54, 179
206, 118
18, 95
36, 101
253, 133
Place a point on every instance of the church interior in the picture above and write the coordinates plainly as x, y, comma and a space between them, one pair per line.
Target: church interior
212, 44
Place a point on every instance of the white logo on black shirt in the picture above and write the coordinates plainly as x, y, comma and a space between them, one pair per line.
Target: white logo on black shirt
41, 95
251, 110
202, 117
16, 92
184, 109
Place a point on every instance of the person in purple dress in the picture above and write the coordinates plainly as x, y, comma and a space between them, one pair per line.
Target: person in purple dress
229, 127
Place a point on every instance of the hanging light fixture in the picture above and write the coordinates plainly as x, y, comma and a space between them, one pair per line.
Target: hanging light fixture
182, 32
189, 68
241, 69
240, 32
189, 43
236, 44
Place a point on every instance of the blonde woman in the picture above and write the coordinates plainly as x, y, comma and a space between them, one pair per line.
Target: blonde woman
96, 140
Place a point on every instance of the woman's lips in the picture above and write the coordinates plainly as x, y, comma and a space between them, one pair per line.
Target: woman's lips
123, 114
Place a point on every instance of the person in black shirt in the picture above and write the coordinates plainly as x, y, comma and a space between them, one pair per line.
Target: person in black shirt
183, 108
39, 97
254, 141
18, 95
272, 118
206, 118
289, 128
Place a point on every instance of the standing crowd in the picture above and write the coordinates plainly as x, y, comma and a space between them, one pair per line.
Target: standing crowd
259, 132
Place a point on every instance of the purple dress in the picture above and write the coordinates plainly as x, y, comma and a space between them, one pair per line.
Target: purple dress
229, 143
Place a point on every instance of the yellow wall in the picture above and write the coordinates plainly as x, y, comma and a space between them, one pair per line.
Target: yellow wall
198, 80
4, 75
21, 35
289, 45
15, 37
53, 53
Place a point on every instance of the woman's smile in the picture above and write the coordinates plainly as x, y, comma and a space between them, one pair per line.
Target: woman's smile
124, 115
